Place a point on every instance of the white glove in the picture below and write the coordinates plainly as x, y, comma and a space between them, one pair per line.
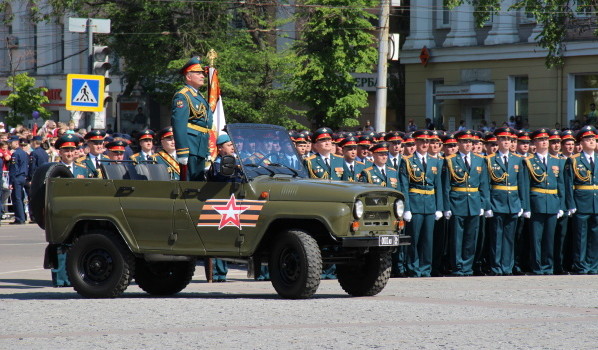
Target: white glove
437, 215
527, 214
183, 161
520, 213
570, 212
560, 214
481, 211
407, 216
448, 214
488, 213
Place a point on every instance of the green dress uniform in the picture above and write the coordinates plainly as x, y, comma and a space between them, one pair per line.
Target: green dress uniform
91, 165
191, 121
423, 185
466, 194
352, 173
374, 175
547, 198
581, 182
318, 169
508, 197
172, 165
141, 157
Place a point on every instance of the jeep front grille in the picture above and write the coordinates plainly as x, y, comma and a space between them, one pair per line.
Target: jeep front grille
376, 218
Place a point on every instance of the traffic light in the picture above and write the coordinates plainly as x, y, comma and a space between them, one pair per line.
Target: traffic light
101, 66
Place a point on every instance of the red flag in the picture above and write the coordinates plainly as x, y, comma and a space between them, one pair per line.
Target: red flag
215, 101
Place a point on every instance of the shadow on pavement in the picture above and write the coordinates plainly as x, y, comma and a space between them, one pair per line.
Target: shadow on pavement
15, 283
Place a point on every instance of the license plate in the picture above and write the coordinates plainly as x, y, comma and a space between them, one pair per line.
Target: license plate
388, 241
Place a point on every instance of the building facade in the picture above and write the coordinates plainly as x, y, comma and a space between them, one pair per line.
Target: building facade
47, 51
457, 71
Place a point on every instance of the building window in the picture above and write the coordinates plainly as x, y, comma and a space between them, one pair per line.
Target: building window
443, 14
518, 99
434, 106
586, 93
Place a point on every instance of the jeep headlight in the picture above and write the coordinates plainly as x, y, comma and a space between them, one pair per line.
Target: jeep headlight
358, 209
399, 208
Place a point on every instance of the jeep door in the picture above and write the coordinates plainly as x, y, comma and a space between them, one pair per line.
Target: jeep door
214, 213
148, 207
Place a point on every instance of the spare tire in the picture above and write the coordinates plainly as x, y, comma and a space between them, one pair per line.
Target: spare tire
37, 192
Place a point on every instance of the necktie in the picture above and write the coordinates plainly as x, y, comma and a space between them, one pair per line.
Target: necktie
395, 162
466, 163
97, 163
592, 163
424, 162
383, 172
544, 161
351, 167
506, 160
327, 162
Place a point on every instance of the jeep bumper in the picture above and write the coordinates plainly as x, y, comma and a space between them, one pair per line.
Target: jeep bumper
377, 241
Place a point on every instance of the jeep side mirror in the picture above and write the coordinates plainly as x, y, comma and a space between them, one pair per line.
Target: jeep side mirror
227, 166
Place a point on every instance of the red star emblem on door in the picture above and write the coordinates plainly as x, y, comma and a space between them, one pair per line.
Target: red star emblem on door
230, 213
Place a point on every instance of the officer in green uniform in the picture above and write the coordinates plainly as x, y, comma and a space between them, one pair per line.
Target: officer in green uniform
422, 179
581, 180
66, 146
466, 195
562, 236
92, 161
324, 164
379, 173
167, 155
352, 168
145, 139
191, 121
508, 199
547, 202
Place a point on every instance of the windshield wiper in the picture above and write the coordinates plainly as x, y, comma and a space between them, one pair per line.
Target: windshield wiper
251, 165
295, 173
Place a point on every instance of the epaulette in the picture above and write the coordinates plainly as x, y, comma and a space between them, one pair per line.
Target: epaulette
368, 169
134, 155
530, 156
451, 156
391, 168
575, 155
358, 162
183, 90
81, 165
440, 157
478, 155
407, 157
491, 155
517, 155
80, 159
310, 157
555, 157
336, 155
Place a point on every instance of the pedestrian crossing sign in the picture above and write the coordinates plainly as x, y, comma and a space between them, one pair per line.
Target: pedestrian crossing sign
85, 92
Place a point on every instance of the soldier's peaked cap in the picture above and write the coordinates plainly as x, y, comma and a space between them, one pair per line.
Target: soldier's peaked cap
348, 141
146, 134
422, 135
193, 65
464, 135
567, 135
322, 134
116, 146
393, 136
505, 131
166, 132
95, 135
540, 134
586, 131
67, 141
379, 147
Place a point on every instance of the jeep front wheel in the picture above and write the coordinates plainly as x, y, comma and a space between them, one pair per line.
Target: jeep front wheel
295, 265
368, 277
163, 277
100, 265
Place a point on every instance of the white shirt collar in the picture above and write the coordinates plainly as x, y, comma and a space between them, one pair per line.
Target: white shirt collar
420, 156
503, 154
588, 155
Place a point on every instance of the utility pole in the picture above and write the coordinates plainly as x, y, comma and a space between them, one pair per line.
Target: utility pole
381, 88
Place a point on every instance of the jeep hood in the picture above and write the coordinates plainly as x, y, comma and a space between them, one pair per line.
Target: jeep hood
312, 190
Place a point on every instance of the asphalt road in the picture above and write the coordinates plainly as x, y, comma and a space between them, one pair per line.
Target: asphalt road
521, 312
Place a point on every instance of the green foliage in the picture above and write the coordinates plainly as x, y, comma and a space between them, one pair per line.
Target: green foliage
24, 99
336, 40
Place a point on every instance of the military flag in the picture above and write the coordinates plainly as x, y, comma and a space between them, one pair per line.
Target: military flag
215, 101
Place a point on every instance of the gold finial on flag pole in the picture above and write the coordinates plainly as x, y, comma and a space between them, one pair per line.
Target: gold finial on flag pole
212, 55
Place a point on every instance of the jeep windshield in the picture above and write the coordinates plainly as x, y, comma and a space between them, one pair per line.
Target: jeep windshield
265, 150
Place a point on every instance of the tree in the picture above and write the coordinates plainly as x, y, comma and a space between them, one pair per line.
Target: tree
336, 40
156, 39
557, 19
24, 99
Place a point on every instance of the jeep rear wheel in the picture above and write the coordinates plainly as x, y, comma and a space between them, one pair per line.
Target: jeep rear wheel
295, 265
100, 265
163, 277
367, 278
37, 191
